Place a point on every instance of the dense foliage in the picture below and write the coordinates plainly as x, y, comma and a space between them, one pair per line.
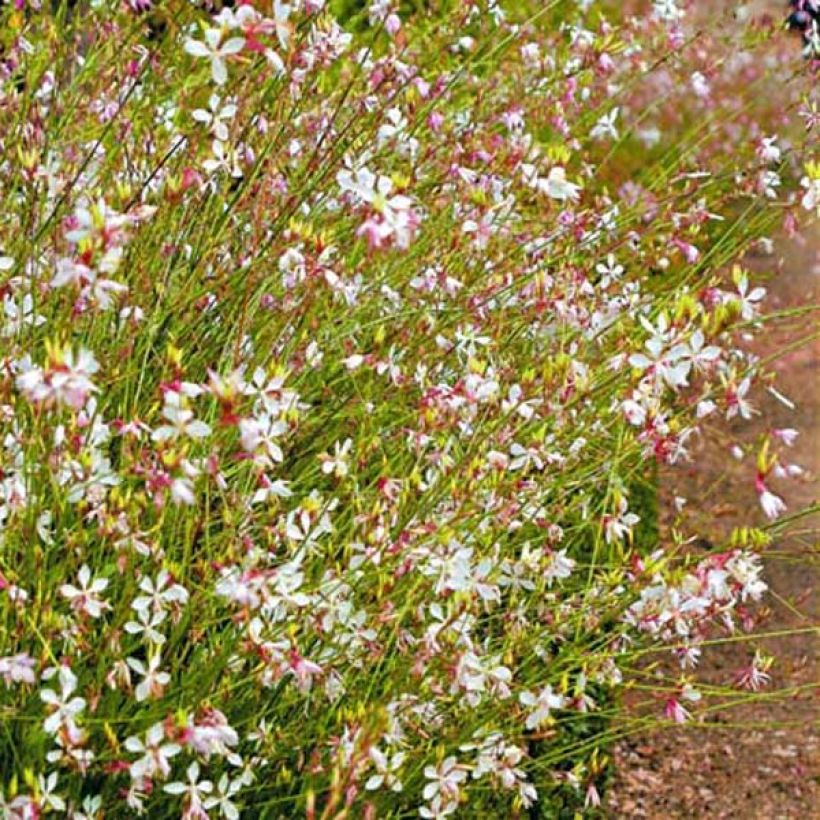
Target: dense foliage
339, 343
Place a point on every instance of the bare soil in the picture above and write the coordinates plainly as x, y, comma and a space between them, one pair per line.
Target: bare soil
758, 759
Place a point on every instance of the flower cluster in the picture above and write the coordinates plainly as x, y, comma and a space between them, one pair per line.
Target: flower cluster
337, 341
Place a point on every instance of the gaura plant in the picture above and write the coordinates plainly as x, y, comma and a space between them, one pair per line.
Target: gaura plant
338, 344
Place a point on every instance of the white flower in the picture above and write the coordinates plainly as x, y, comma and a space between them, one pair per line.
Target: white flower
768, 150
153, 682
226, 790
445, 780
811, 199
19, 314
159, 595
337, 463
386, 768
65, 382
258, 436
194, 790
773, 505
47, 787
216, 116
560, 567
395, 211
17, 668
156, 755
541, 705
64, 707
667, 10
216, 53
182, 423
700, 85
146, 626
558, 187
749, 300
605, 127
788, 435
85, 598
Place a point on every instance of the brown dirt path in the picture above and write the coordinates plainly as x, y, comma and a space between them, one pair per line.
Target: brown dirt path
758, 760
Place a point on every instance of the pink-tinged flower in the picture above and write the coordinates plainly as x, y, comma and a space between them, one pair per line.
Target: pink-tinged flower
773, 505
86, 597
17, 669
444, 781
154, 681
560, 567
258, 437
675, 711
736, 402
435, 121
788, 435
755, 674
66, 380
391, 216
155, 754
216, 53
592, 798
212, 735
303, 669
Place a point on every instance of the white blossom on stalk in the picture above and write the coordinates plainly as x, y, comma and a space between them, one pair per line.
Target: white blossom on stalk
811, 198
386, 770
216, 116
155, 754
64, 708
19, 314
444, 786
772, 505
17, 668
560, 567
216, 53
337, 464
47, 786
67, 380
194, 790
159, 594
226, 790
181, 422
540, 705
153, 681
557, 186
86, 597
605, 127
393, 217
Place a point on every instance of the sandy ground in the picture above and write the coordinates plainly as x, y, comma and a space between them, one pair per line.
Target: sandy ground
757, 760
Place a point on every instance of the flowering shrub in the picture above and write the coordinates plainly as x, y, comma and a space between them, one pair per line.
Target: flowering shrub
336, 356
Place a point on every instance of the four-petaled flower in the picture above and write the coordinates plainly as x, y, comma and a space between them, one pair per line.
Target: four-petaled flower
215, 52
